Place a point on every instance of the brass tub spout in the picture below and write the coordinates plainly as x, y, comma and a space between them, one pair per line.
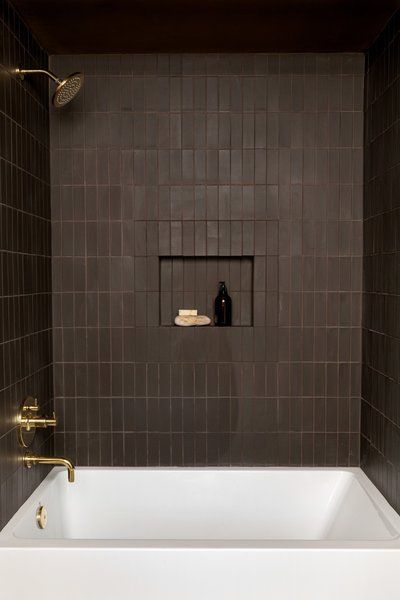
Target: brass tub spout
30, 460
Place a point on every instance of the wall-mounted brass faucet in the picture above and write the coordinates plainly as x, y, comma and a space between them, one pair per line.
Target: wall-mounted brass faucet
30, 460
29, 421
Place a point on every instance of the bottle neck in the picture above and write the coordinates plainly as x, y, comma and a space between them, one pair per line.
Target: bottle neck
222, 289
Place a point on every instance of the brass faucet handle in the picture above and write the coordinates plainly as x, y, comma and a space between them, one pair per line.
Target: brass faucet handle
38, 422
29, 419
31, 406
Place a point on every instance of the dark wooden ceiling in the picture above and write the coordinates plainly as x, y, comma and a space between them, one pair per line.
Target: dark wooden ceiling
93, 26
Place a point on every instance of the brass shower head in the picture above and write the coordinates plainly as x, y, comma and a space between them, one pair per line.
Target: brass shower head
66, 89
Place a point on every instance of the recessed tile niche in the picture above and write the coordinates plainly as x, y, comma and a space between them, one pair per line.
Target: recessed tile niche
192, 282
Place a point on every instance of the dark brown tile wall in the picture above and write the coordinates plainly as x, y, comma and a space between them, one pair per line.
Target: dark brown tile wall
380, 425
173, 157
25, 253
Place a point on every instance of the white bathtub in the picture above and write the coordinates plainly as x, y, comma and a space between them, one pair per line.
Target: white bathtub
204, 534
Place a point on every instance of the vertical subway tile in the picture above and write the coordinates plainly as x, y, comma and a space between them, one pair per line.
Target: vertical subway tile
243, 168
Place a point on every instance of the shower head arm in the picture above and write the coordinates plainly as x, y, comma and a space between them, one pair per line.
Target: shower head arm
23, 72
66, 88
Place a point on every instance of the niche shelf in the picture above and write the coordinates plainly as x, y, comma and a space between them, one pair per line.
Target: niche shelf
192, 282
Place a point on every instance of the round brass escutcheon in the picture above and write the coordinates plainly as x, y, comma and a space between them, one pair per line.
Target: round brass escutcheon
41, 517
28, 409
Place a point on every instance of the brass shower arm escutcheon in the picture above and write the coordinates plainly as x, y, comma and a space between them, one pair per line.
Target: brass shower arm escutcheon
30, 460
23, 72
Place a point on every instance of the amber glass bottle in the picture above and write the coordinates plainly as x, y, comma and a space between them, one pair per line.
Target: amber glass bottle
223, 307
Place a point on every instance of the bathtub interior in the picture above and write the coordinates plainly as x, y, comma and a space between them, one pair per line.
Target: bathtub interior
205, 504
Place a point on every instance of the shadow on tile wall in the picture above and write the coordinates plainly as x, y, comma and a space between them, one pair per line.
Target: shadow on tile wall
25, 253
209, 156
380, 425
